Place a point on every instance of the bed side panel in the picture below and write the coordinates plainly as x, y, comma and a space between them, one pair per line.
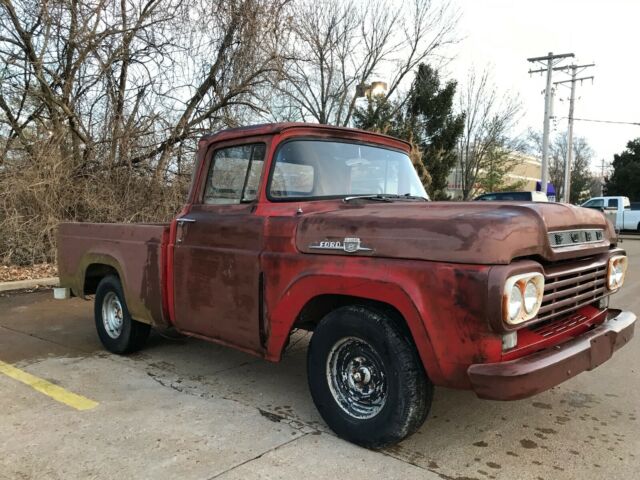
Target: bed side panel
136, 252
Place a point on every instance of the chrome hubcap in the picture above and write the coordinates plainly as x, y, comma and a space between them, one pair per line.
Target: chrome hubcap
112, 315
357, 378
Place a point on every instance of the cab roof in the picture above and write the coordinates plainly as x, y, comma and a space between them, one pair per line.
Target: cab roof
275, 128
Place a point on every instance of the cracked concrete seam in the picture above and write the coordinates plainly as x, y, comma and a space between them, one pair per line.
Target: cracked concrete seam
258, 457
294, 423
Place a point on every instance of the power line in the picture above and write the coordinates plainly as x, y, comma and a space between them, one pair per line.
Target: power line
604, 121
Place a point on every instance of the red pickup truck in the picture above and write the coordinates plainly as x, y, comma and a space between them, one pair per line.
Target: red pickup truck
297, 226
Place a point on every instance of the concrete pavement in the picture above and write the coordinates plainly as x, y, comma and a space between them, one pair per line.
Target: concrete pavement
183, 408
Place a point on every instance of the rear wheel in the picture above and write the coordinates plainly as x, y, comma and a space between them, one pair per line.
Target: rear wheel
118, 332
366, 377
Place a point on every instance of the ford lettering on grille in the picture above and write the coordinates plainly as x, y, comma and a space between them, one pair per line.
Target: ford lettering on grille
571, 238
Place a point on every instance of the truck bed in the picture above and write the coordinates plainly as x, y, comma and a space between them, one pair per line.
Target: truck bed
135, 252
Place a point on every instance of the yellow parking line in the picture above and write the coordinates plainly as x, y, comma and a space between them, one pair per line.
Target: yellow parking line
54, 391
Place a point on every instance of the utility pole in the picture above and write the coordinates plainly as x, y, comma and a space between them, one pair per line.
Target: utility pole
550, 60
569, 160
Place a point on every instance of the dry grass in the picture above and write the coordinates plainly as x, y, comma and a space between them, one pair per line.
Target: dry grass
38, 192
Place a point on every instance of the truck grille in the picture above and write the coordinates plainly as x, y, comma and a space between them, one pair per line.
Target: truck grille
569, 287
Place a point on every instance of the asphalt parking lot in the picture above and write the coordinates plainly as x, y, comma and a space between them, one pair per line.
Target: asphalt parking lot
183, 408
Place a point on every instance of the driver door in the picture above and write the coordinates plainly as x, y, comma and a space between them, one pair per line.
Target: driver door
217, 248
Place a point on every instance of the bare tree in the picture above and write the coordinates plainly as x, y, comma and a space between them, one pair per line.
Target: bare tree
101, 73
336, 47
581, 176
485, 145
101, 102
231, 63
84, 68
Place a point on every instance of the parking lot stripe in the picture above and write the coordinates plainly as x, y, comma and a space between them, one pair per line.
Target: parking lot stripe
54, 391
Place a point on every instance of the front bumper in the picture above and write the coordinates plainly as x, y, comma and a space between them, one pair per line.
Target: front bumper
535, 373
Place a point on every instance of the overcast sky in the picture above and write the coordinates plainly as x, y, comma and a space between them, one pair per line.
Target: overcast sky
503, 34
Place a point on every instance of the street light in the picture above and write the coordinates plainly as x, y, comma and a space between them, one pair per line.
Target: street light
374, 89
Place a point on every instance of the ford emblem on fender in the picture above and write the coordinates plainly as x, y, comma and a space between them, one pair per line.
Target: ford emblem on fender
349, 245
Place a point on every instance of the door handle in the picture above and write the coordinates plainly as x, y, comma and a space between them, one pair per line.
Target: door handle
181, 222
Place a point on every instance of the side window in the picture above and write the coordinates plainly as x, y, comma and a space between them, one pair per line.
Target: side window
234, 175
613, 203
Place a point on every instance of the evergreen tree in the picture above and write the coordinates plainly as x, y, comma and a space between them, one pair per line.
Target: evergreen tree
625, 179
436, 129
425, 118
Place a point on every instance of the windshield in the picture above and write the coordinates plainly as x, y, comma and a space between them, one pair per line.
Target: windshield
313, 169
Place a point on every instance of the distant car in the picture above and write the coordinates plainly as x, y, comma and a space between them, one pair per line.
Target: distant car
513, 197
618, 210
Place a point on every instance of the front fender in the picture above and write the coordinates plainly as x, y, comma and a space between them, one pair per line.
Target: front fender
309, 286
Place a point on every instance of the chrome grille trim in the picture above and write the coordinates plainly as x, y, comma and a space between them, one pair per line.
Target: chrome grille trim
548, 329
569, 288
570, 238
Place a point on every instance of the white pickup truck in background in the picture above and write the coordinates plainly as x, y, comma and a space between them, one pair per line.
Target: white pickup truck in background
618, 210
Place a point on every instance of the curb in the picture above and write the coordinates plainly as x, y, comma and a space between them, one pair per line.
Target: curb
25, 284
624, 238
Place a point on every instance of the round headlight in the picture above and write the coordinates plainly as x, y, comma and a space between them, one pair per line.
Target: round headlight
522, 297
515, 302
617, 270
530, 297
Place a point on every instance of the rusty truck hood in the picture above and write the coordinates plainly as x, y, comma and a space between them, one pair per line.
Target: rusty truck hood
460, 232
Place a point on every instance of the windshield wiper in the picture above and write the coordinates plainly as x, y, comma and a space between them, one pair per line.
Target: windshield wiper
414, 197
384, 197
379, 197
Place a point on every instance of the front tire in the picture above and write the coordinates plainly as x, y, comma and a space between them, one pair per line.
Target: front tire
118, 332
366, 378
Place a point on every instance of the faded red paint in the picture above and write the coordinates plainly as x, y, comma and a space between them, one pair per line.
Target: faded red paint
242, 274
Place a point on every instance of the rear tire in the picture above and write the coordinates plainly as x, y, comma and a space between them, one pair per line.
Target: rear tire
118, 332
366, 378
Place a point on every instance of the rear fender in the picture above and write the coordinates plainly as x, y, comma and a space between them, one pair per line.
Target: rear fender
135, 304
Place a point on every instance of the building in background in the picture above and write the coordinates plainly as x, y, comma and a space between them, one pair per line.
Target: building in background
525, 171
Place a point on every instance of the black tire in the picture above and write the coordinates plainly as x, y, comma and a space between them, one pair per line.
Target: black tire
131, 335
387, 396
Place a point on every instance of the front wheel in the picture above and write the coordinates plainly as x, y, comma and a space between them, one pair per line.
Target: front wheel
118, 332
366, 377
